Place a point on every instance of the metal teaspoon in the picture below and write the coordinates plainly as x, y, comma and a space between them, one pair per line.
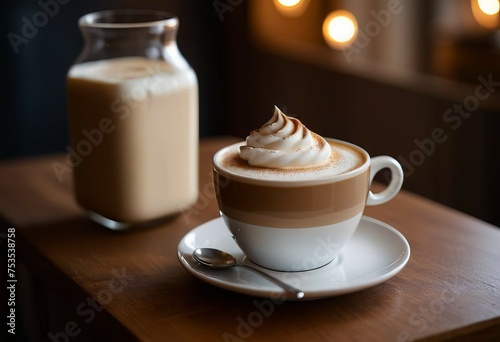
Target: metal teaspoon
216, 258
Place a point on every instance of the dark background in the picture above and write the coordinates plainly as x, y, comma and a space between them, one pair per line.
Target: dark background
241, 79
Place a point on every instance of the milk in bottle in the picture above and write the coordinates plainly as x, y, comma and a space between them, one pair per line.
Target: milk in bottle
134, 127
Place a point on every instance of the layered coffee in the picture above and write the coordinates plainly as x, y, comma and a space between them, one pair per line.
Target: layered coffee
292, 199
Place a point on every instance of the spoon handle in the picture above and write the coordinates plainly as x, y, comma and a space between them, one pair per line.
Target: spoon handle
288, 288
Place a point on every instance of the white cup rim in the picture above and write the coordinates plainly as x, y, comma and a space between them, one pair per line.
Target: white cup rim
292, 182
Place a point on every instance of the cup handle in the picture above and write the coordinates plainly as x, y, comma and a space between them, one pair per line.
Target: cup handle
377, 164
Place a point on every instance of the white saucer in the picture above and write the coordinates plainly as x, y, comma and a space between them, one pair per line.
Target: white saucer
375, 253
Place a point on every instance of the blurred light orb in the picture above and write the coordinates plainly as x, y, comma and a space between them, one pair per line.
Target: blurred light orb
289, 3
486, 13
291, 8
490, 7
340, 29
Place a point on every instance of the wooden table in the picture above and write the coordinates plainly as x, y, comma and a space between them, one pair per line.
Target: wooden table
77, 280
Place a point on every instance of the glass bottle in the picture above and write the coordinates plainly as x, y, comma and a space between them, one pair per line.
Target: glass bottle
133, 116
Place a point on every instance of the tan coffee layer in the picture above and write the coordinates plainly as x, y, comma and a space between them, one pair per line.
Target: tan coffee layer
292, 207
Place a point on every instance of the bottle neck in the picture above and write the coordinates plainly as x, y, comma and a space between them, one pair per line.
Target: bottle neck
115, 34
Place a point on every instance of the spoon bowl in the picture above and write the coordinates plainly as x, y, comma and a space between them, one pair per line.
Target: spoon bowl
214, 258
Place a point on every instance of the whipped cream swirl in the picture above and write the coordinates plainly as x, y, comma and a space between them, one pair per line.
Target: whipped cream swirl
284, 142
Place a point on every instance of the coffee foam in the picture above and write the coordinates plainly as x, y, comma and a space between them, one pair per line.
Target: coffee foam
343, 159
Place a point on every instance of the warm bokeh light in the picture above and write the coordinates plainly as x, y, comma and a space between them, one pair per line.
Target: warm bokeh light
486, 12
288, 3
489, 7
291, 8
340, 29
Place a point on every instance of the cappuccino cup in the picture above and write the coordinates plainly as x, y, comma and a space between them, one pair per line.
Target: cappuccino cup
299, 218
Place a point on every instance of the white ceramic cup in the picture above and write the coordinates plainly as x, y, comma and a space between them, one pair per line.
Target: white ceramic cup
298, 225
